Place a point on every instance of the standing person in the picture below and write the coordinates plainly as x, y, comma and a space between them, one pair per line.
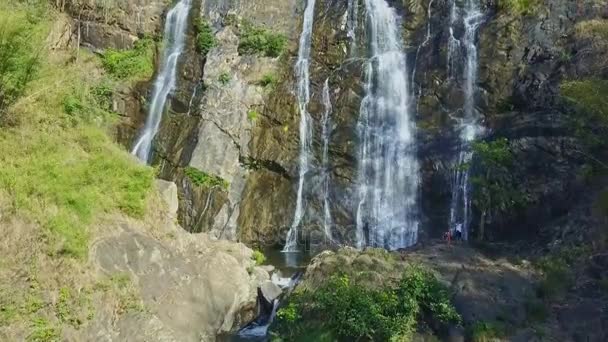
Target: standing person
447, 236
458, 234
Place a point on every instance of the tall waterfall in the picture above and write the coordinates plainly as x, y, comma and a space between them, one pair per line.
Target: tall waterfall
469, 127
303, 92
174, 36
327, 221
388, 174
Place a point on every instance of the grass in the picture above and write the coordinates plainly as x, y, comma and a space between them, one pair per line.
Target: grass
205, 40
557, 269
44, 331
260, 41
133, 64
204, 179
59, 166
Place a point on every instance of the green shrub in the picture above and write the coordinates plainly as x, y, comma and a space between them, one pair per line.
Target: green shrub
20, 38
486, 331
260, 41
353, 311
204, 179
253, 115
557, 270
44, 331
288, 313
521, 7
259, 257
269, 80
205, 40
132, 64
588, 95
224, 78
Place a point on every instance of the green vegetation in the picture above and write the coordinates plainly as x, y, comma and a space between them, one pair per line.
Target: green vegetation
205, 40
133, 64
494, 188
588, 95
557, 269
44, 331
20, 33
269, 80
486, 331
253, 114
350, 310
59, 166
520, 7
260, 41
224, 78
120, 284
204, 179
259, 257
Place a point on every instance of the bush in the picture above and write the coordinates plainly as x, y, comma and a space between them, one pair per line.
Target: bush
352, 311
20, 37
253, 115
205, 40
268, 80
259, 257
486, 331
224, 78
260, 41
133, 64
204, 179
521, 7
588, 95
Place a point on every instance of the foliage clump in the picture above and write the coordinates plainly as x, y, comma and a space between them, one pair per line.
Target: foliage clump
494, 187
486, 331
224, 78
258, 257
588, 95
204, 179
205, 40
520, 7
19, 54
352, 311
260, 41
269, 80
131, 64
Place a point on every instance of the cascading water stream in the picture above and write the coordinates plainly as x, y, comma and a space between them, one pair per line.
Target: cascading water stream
388, 175
174, 37
303, 93
327, 220
460, 206
353, 17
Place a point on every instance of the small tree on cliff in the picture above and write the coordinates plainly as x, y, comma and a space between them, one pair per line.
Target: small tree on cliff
494, 188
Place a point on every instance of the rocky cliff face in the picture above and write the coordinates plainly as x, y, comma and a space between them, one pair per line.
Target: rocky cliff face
523, 58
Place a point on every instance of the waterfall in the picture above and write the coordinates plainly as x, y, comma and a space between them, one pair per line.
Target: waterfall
388, 175
174, 34
303, 94
469, 127
327, 221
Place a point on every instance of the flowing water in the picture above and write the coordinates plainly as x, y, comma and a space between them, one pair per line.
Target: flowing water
352, 23
469, 126
303, 93
174, 37
327, 220
388, 174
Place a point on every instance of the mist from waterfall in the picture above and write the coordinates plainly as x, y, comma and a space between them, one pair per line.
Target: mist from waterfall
326, 124
173, 41
303, 96
469, 126
388, 172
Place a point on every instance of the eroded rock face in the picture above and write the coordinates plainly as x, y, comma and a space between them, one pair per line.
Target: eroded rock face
115, 24
191, 287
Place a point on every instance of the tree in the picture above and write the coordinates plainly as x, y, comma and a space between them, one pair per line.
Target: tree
494, 188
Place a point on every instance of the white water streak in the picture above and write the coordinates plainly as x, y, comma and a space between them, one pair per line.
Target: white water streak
469, 126
303, 77
388, 169
327, 220
174, 37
